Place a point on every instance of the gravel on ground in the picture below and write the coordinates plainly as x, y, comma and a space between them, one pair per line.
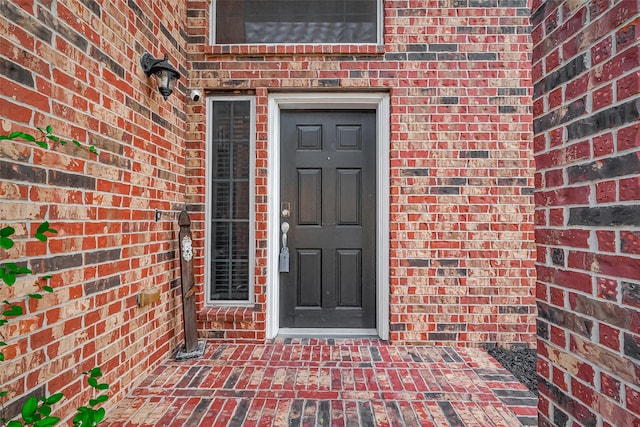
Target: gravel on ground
521, 363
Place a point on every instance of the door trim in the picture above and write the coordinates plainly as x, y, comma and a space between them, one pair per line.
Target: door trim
323, 100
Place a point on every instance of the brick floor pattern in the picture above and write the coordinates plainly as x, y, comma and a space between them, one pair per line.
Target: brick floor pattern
329, 382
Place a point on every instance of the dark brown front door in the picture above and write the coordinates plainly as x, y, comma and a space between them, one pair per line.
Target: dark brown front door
328, 187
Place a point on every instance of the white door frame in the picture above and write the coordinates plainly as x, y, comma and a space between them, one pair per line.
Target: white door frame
325, 100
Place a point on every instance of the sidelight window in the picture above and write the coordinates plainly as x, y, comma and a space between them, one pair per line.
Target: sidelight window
296, 21
230, 210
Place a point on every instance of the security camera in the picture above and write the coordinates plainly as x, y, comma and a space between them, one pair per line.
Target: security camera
196, 95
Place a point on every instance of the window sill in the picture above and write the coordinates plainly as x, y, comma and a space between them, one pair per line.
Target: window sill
290, 49
227, 313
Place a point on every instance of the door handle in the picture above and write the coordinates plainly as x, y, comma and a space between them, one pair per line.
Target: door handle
284, 252
285, 229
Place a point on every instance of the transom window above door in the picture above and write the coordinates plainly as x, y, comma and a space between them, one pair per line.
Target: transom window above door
296, 21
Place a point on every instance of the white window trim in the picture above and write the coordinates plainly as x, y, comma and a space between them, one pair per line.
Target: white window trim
324, 100
208, 214
379, 30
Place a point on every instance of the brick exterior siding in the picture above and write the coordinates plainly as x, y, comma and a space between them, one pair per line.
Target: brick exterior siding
75, 66
587, 141
459, 77
461, 198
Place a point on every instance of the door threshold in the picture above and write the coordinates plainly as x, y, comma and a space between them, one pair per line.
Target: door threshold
327, 333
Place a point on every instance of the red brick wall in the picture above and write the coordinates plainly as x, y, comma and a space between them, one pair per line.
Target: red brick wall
458, 74
587, 140
75, 66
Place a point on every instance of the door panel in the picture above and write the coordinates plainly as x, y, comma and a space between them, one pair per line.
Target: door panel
309, 196
328, 179
349, 277
309, 137
309, 271
348, 197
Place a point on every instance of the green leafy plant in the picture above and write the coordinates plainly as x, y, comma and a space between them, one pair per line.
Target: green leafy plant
46, 138
90, 415
37, 412
5, 241
9, 271
43, 228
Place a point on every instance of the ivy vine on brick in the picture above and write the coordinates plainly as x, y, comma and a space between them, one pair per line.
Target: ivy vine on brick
37, 412
46, 138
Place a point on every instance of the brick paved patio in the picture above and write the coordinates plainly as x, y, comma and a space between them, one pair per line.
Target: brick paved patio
346, 382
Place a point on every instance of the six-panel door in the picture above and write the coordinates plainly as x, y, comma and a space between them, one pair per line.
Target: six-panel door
328, 184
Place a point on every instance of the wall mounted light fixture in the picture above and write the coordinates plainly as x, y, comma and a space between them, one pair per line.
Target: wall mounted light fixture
165, 75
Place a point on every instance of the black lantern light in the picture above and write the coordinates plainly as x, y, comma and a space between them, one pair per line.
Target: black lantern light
165, 75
